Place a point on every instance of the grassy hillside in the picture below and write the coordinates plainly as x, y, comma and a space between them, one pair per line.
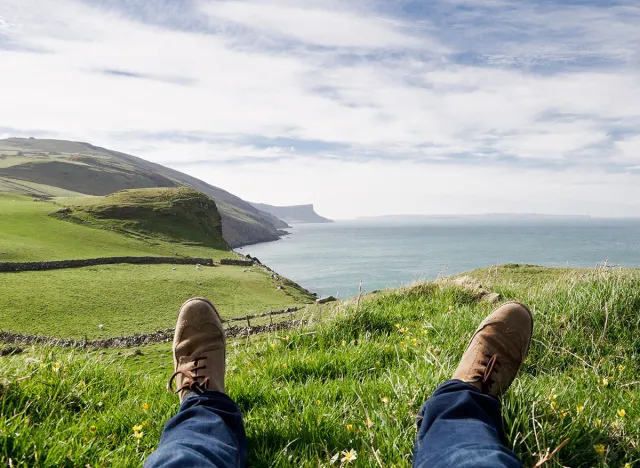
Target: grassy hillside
355, 379
68, 168
28, 232
180, 215
126, 299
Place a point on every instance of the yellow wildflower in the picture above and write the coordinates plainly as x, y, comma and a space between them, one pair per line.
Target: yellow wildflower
145, 407
598, 422
137, 428
318, 402
414, 341
284, 366
599, 448
620, 368
627, 465
580, 409
344, 343
138, 435
273, 345
397, 325
621, 412
385, 400
349, 427
378, 363
348, 457
605, 381
553, 405
57, 366
563, 414
93, 428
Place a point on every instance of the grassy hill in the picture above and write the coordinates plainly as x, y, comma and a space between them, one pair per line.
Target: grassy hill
355, 378
181, 215
67, 168
126, 299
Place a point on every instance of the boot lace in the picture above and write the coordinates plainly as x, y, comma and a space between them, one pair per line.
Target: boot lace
490, 366
191, 381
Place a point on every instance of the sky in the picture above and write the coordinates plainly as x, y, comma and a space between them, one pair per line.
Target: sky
361, 107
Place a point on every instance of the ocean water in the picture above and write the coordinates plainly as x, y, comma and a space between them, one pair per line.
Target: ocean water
333, 258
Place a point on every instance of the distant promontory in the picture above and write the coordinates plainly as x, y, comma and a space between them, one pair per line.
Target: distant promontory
293, 214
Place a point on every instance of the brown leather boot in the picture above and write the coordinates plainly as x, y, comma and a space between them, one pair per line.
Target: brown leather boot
497, 349
198, 349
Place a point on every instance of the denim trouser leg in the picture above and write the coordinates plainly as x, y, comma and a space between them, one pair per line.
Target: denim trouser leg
207, 432
461, 427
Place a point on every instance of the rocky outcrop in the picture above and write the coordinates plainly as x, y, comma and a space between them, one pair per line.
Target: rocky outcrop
325, 300
60, 264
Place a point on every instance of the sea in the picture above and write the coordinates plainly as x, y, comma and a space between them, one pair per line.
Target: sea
332, 259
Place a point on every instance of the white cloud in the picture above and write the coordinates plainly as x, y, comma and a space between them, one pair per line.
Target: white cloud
630, 150
314, 24
388, 90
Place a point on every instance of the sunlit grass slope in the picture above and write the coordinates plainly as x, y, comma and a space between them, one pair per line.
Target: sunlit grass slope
354, 379
130, 299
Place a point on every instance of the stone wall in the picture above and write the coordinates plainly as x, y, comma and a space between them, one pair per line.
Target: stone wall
160, 336
236, 262
59, 264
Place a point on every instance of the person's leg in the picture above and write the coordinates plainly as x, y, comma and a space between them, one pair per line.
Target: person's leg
461, 424
208, 429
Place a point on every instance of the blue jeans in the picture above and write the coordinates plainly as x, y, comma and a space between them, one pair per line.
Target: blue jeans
457, 427
207, 432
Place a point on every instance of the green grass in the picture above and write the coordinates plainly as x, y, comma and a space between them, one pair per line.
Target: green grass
28, 233
24, 187
9, 160
307, 394
129, 299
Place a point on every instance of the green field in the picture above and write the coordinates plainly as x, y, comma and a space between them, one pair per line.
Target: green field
129, 299
126, 299
355, 379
